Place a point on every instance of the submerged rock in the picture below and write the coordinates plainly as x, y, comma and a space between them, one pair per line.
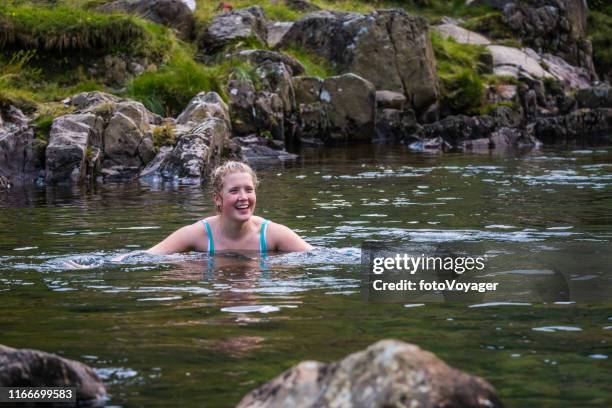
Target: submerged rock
33, 368
258, 149
459, 128
389, 373
389, 48
172, 13
582, 127
236, 25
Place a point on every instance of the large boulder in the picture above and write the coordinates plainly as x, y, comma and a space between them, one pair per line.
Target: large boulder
236, 25
253, 111
204, 106
338, 109
389, 48
172, 13
74, 148
389, 373
33, 368
20, 158
128, 141
351, 109
197, 152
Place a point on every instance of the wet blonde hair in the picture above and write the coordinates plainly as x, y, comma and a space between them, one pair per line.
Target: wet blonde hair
218, 176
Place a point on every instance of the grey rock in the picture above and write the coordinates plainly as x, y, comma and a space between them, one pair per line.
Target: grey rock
70, 138
126, 150
394, 124
276, 32
502, 139
255, 112
582, 127
595, 97
172, 13
236, 25
389, 373
196, 153
390, 99
258, 57
307, 89
461, 35
389, 48
352, 107
203, 106
260, 150
88, 100
33, 368
277, 79
459, 128
20, 152
512, 61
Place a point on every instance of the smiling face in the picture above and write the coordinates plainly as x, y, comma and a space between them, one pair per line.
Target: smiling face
237, 199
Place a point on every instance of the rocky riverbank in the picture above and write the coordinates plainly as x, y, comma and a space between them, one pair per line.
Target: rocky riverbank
394, 77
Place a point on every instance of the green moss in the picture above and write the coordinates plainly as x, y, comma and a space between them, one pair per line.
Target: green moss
43, 126
164, 135
458, 69
313, 64
488, 108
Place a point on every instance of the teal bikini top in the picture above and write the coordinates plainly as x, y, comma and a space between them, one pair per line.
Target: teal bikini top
263, 246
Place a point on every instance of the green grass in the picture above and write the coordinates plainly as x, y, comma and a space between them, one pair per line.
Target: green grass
458, 69
490, 25
61, 29
600, 34
167, 91
313, 64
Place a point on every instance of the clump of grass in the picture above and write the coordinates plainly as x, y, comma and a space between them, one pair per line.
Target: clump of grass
600, 34
61, 28
458, 69
168, 90
491, 25
164, 135
488, 108
314, 65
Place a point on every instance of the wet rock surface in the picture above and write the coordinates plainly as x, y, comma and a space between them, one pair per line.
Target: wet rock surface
33, 368
389, 373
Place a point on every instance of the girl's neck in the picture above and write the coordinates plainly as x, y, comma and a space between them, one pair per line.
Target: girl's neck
235, 229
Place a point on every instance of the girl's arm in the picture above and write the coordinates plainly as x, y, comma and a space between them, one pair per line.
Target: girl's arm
286, 240
181, 240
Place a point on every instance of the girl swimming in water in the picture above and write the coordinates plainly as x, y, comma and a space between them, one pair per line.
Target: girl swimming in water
234, 227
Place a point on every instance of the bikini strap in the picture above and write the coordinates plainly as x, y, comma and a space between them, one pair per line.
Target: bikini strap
211, 242
263, 246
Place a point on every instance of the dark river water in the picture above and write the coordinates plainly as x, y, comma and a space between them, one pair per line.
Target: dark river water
174, 331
